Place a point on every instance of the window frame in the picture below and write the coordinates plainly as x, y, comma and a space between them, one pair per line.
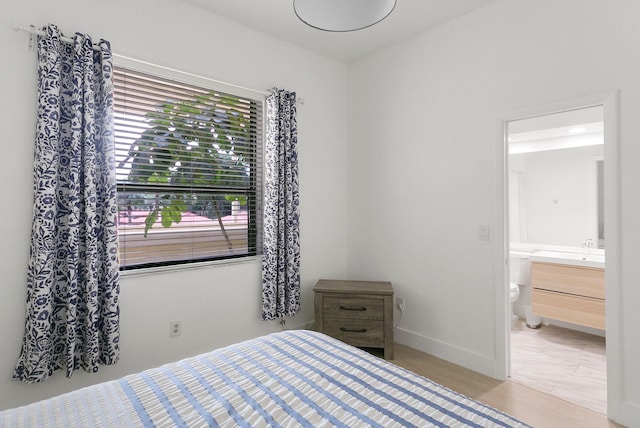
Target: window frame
255, 192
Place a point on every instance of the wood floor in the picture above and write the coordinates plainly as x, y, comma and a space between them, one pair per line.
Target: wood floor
566, 363
530, 406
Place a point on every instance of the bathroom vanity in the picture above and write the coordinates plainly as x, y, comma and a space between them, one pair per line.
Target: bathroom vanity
570, 289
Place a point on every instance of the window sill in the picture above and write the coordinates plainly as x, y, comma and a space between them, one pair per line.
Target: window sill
189, 266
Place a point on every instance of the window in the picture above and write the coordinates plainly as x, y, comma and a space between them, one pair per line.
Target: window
189, 170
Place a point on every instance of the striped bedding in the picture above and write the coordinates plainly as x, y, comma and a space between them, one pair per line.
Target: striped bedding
293, 378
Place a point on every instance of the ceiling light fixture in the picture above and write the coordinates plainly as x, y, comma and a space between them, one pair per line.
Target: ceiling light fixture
342, 15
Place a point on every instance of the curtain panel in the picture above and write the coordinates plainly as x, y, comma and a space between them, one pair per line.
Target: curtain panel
281, 252
72, 280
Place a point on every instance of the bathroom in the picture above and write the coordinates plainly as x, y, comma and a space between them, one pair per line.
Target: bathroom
556, 236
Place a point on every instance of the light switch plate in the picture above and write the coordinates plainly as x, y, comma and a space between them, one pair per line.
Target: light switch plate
483, 232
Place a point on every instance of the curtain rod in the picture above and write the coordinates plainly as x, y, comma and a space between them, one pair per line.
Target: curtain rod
34, 31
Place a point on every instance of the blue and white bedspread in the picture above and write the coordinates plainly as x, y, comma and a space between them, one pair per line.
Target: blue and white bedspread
292, 378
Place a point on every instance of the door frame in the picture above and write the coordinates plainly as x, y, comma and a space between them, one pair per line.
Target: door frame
610, 103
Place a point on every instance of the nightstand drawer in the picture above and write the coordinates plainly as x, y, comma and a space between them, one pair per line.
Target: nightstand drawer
358, 333
355, 308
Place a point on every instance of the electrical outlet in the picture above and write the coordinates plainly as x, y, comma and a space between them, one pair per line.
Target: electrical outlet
175, 328
400, 303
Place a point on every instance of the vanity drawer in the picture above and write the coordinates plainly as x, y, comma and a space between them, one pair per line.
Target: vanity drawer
579, 281
355, 308
579, 310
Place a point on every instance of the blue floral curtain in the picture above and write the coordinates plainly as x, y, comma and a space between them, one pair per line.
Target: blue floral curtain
72, 281
281, 256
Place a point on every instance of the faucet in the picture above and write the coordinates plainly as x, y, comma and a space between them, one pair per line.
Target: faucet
587, 245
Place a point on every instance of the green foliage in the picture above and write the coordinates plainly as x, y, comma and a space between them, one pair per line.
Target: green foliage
150, 220
240, 198
172, 212
192, 142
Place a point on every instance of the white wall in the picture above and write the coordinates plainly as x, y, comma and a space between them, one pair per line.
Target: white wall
217, 305
422, 179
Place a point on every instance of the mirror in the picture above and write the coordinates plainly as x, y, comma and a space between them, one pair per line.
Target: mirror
556, 178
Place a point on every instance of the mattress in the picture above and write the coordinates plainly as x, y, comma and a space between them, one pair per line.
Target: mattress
292, 378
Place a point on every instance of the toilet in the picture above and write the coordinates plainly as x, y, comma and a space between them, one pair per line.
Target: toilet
514, 293
520, 277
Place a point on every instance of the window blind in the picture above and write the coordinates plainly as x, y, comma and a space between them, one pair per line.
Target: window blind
189, 170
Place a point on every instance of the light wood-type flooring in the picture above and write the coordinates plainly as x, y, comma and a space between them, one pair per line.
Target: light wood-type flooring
565, 363
533, 407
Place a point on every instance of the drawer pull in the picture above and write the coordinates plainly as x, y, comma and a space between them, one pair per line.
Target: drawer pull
347, 308
353, 330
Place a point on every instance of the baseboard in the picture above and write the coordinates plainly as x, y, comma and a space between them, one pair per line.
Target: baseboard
629, 414
300, 326
454, 354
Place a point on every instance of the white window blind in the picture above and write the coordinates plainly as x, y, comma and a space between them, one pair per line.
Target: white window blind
189, 170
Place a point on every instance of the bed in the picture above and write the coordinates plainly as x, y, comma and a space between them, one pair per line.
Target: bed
290, 378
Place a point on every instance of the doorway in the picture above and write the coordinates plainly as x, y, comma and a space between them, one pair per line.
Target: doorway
519, 125
553, 199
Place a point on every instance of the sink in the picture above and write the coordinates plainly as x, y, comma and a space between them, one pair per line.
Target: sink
574, 259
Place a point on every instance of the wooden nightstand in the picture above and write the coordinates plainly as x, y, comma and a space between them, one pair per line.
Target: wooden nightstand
359, 313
